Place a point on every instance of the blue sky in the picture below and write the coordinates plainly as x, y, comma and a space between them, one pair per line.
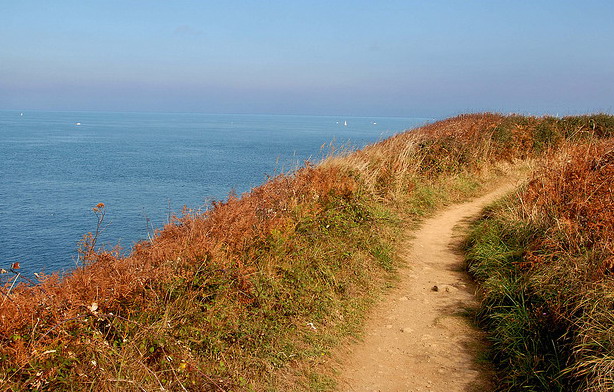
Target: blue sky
390, 58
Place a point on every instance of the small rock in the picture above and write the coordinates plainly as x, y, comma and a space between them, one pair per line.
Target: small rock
444, 288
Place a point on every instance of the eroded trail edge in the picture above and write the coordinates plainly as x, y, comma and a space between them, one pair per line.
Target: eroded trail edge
419, 338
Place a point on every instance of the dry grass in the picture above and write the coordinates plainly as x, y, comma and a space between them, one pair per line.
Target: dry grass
252, 293
546, 259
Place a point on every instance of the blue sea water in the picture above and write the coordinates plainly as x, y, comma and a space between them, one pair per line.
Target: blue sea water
56, 166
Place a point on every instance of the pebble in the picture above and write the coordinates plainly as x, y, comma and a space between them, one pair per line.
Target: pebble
444, 288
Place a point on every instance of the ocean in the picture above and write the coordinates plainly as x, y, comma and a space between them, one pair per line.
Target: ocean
56, 166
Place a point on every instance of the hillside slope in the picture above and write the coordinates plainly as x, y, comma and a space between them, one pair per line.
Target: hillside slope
253, 293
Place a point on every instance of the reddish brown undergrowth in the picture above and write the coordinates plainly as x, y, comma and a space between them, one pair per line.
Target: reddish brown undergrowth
576, 196
35, 318
546, 260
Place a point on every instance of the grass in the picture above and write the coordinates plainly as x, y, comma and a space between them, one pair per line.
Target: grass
255, 292
544, 258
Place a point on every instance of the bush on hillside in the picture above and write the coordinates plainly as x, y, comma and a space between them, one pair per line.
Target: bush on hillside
545, 259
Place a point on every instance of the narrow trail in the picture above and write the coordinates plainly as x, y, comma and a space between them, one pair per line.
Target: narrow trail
418, 338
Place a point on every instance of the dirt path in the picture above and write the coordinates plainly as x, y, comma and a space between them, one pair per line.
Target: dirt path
418, 338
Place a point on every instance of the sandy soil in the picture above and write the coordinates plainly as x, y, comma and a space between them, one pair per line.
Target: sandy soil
419, 337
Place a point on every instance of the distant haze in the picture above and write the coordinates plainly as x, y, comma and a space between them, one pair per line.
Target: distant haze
387, 58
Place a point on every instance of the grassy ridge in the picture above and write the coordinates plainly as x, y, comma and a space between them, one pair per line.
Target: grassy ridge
545, 258
253, 293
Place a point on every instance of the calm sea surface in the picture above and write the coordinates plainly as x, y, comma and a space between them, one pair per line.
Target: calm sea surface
56, 166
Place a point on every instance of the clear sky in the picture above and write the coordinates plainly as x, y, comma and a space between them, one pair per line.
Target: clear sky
392, 58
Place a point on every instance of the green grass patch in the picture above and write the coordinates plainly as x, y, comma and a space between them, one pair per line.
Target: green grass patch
528, 347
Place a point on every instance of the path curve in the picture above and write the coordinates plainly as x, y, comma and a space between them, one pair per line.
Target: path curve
418, 338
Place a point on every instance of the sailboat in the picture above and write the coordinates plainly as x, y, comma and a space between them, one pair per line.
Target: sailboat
345, 123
